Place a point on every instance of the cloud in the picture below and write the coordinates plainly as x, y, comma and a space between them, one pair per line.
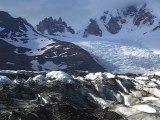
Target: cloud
75, 12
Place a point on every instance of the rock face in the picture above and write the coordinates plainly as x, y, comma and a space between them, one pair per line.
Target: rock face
52, 26
127, 19
22, 47
14, 28
92, 29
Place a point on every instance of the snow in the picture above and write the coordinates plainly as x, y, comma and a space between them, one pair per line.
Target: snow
100, 101
157, 73
145, 108
99, 76
5, 80
149, 98
40, 79
48, 65
95, 76
153, 91
141, 78
121, 86
59, 76
119, 53
35, 64
1, 29
43, 99
127, 111
36, 43
10, 63
109, 75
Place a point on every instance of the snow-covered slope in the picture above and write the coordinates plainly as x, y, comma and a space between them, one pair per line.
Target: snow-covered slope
22, 47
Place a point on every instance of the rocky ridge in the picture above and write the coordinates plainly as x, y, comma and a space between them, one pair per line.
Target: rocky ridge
52, 26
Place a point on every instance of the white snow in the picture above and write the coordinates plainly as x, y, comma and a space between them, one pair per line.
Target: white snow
145, 108
35, 64
48, 65
1, 29
109, 75
40, 79
153, 91
100, 101
150, 98
43, 99
95, 76
127, 111
59, 76
5, 80
142, 78
157, 73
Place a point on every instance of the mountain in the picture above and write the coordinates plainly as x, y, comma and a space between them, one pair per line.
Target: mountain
52, 26
22, 47
123, 40
132, 18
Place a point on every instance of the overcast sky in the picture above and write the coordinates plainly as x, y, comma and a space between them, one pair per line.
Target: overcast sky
74, 12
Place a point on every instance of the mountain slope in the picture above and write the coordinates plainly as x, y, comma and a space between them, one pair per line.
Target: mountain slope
22, 47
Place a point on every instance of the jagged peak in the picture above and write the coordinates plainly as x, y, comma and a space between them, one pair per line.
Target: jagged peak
53, 26
128, 18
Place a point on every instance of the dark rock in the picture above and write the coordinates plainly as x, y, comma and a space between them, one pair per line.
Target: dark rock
131, 11
14, 27
92, 29
52, 26
75, 57
114, 24
143, 16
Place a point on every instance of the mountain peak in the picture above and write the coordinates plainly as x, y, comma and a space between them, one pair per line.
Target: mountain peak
54, 27
14, 28
130, 18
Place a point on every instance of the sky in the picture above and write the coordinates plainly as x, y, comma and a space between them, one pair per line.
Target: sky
75, 12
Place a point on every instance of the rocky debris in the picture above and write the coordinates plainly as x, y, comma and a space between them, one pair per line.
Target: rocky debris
53, 26
95, 96
92, 29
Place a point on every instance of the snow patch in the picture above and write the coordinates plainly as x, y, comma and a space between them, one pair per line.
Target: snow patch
145, 108
5, 80
59, 76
